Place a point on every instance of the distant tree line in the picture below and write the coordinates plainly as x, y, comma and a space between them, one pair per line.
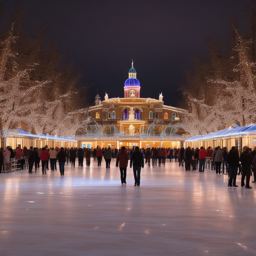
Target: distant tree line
36, 92
221, 90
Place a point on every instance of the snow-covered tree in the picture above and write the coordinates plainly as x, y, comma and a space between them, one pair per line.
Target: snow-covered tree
222, 90
34, 89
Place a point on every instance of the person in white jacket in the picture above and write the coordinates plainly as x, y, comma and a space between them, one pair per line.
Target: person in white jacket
53, 159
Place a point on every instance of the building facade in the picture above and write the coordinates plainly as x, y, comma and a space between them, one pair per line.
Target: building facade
132, 120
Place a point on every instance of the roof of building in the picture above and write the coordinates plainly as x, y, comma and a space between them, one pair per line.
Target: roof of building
238, 131
132, 82
22, 133
132, 70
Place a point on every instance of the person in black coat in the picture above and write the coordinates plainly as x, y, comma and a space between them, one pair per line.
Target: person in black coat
246, 161
31, 159
233, 162
155, 154
188, 156
181, 156
137, 161
148, 156
72, 157
61, 156
80, 157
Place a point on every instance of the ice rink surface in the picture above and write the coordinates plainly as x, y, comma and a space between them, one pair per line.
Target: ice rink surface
89, 212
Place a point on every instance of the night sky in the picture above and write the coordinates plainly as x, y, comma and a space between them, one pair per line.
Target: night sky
162, 37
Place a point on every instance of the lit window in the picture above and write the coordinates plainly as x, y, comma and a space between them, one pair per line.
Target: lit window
173, 116
125, 114
97, 115
114, 115
137, 114
165, 115
109, 115
150, 115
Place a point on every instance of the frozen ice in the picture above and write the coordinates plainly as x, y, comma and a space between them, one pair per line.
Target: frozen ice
89, 212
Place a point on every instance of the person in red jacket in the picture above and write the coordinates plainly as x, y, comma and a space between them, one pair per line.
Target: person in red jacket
209, 157
209, 152
164, 155
122, 158
44, 155
202, 157
99, 155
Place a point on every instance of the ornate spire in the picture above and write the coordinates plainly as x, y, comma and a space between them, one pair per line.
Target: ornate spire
132, 71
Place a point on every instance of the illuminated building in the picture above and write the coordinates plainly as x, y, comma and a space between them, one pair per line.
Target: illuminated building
132, 120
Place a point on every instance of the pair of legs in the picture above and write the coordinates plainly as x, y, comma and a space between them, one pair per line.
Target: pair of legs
224, 164
21, 162
44, 166
247, 174
154, 162
99, 160
180, 161
187, 165
148, 161
159, 160
136, 173
201, 165
61, 164
80, 161
254, 174
217, 165
108, 163
123, 175
53, 163
194, 164
232, 176
72, 161
37, 164
30, 166
163, 160
88, 161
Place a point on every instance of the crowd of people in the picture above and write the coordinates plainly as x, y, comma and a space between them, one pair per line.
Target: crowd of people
233, 162
216, 159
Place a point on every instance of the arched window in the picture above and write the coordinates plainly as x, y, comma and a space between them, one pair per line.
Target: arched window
137, 114
114, 115
109, 115
165, 115
97, 115
150, 115
173, 116
125, 114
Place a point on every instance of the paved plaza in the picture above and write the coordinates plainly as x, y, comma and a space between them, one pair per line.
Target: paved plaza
89, 212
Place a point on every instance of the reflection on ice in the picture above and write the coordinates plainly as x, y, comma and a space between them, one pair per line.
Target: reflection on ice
243, 246
172, 213
120, 228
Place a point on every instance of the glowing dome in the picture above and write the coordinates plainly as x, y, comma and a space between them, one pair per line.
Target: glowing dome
132, 82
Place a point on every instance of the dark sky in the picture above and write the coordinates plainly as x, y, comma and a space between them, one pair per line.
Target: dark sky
103, 36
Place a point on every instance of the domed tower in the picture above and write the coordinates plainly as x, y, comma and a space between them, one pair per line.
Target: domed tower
132, 84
